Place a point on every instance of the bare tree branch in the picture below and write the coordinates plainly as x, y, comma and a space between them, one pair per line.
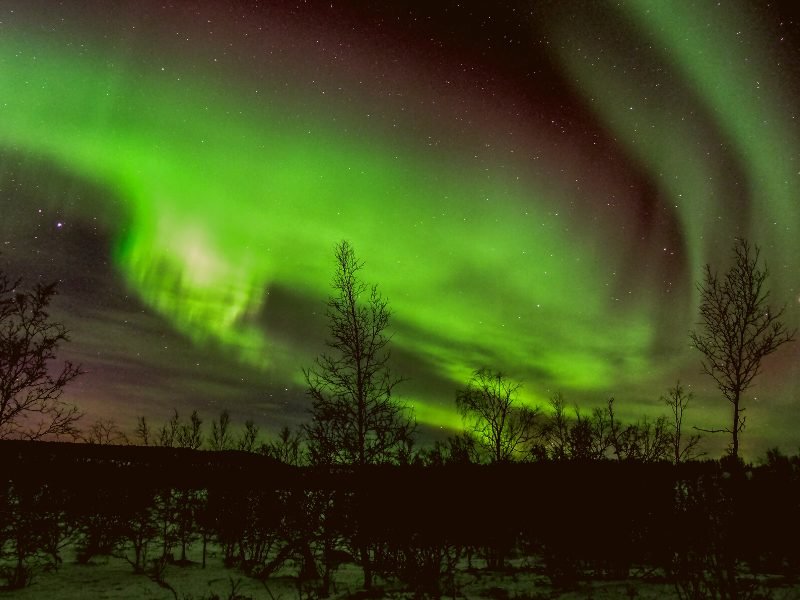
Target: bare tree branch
683, 448
355, 418
104, 432
491, 412
737, 330
30, 392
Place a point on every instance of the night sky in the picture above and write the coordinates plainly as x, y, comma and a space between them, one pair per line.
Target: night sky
534, 186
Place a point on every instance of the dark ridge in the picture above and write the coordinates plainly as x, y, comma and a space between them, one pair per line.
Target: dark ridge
65, 461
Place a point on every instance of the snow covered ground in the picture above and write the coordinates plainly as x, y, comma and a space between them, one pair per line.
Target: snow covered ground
111, 578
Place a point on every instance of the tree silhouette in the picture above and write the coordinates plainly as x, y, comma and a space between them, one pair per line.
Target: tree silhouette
190, 434
491, 411
287, 448
143, 431
737, 329
459, 449
30, 391
678, 400
556, 431
221, 438
174, 433
104, 432
168, 434
355, 418
248, 442
582, 437
644, 440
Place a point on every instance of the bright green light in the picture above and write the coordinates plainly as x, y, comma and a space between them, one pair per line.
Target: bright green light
227, 193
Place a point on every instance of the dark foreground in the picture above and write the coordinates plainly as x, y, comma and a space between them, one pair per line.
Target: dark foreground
159, 516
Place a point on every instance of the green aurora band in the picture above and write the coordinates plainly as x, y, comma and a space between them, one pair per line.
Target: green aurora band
226, 193
653, 120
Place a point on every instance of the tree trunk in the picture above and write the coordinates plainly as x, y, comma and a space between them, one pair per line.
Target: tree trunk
328, 568
325, 590
366, 565
164, 531
735, 445
137, 553
20, 576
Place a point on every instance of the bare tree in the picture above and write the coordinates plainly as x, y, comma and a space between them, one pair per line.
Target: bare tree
603, 426
247, 442
190, 434
174, 434
678, 400
221, 438
30, 391
579, 438
644, 440
737, 330
287, 448
459, 449
104, 432
355, 418
556, 431
650, 441
490, 409
601, 435
168, 434
582, 439
143, 431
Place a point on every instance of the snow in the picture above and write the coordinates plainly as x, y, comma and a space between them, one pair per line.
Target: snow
112, 578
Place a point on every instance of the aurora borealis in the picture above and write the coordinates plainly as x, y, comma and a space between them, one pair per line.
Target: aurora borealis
534, 186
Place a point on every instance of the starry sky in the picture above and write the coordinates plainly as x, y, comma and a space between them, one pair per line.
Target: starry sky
534, 186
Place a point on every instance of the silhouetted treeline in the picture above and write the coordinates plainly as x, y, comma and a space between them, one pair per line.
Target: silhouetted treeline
697, 523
